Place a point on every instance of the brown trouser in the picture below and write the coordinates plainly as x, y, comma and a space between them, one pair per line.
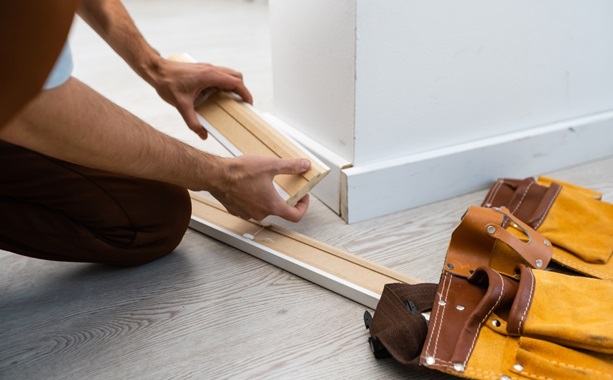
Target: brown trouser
55, 210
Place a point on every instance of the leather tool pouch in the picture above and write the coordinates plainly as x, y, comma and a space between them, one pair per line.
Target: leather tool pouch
496, 314
574, 219
491, 326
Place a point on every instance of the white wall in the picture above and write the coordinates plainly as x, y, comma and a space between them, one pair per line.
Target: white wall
313, 49
429, 99
435, 73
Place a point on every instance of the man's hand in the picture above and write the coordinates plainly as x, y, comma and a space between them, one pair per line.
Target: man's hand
74, 123
181, 84
248, 191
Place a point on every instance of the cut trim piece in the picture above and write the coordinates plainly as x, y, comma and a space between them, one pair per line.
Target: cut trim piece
238, 127
332, 268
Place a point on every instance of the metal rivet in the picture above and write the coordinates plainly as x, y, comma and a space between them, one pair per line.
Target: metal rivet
547, 243
442, 303
460, 307
539, 263
458, 367
518, 367
487, 205
450, 266
505, 377
496, 323
430, 360
515, 225
491, 229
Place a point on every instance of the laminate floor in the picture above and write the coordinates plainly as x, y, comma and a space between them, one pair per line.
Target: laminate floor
209, 311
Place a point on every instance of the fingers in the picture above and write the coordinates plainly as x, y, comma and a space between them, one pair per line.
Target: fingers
229, 83
287, 212
229, 71
294, 166
234, 84
226, 79
294, 214
189, 116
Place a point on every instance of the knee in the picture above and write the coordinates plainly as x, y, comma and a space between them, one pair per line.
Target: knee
174, 216
167, 220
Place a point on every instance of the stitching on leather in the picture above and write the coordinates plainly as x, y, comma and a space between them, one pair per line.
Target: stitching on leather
493, 192
485, 374
438, 325
586, 270
548, 207
472, 346
443, 364
560, 364
520, 325
523, 196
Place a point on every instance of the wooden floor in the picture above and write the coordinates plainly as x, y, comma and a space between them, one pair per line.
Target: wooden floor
209, 311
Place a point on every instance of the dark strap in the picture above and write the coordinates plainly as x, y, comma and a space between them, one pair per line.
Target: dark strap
398, 325
525, 198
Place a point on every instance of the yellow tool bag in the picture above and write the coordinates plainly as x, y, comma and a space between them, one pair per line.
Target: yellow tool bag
543, 325
574, 219
497, 313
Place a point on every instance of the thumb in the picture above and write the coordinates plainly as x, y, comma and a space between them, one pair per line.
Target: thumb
189, 116
294, 166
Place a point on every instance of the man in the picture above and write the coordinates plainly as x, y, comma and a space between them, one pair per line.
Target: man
82, 179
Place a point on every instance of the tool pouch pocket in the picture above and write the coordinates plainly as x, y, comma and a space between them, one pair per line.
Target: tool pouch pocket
572, 218
490, 326
569, 310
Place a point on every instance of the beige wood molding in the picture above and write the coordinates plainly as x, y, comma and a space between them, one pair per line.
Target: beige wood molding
238, 127
335, 269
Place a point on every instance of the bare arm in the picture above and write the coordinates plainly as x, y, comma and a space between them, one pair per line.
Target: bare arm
178, 83
74, 123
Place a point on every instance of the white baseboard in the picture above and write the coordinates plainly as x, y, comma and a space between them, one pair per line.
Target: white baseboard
389, 186
368, 191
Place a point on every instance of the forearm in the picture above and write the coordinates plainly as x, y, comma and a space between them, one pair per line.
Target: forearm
110, 19
178, 83
76, 124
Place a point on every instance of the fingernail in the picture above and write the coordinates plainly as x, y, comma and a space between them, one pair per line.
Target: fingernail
306, 164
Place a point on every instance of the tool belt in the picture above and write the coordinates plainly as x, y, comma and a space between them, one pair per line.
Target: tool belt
526, 291
574, 219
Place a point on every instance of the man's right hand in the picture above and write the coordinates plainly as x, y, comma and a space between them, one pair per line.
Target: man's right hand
247, 189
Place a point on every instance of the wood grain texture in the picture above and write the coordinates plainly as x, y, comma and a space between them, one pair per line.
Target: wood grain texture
233, 122
334, 269
247, 131
208, 311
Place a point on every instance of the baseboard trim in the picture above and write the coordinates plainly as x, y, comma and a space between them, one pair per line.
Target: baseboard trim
329, 189
332, 268
384, 187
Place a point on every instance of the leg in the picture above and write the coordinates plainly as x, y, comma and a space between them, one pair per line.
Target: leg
55, 210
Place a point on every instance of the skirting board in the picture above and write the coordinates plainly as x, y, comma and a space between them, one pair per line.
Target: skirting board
332, 268
386, 187
371, 190
328, 190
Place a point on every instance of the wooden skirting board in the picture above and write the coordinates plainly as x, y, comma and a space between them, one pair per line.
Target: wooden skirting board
242, 131
332, 268
239, 128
